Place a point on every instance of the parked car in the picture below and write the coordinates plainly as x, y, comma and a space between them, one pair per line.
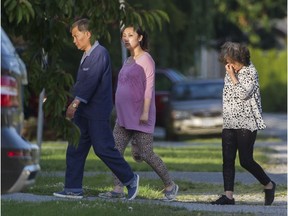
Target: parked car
19, 158
164, 79
194, 108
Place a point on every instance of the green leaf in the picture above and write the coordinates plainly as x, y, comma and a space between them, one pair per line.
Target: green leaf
12, 5
19, 14
137, 17
163, 15
6, 3
29, 7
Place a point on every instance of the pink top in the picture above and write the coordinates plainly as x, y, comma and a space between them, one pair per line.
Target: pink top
135, 83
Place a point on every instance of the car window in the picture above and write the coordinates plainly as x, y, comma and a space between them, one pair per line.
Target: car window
162, 82
10, 59
197, 91
176, 76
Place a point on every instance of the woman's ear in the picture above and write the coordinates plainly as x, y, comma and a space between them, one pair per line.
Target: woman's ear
140, 38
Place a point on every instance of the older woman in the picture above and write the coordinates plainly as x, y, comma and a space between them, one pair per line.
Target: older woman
242, 117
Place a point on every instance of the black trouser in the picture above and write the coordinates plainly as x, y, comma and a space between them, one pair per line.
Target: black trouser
243, 140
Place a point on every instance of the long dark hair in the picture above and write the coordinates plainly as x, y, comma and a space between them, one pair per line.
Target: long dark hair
140, 32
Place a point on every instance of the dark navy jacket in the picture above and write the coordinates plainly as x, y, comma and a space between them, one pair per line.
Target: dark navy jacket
94, 85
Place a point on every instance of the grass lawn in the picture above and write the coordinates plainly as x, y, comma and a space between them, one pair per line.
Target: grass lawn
99, 208
193, 158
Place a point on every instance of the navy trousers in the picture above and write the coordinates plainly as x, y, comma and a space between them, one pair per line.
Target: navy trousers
97, 134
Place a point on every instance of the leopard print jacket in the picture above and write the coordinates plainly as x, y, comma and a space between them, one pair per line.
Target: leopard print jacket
242, 102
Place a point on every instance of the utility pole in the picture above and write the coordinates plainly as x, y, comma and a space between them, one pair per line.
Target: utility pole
122, 25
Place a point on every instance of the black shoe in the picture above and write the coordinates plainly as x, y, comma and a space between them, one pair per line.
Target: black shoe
223, 200
270, 194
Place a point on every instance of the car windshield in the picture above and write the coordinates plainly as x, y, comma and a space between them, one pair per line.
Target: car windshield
197, 91
165, 78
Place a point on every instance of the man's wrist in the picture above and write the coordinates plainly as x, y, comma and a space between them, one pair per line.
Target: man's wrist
75, 105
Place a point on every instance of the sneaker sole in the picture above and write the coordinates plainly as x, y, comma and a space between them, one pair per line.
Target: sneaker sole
67, 196
137, 188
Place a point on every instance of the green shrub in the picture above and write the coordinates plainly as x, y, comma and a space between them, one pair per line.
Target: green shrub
272, 69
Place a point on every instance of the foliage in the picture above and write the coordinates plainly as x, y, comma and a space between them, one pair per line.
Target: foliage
272, 69
191, 24
205, 23
253, 18
43, 28
208, 23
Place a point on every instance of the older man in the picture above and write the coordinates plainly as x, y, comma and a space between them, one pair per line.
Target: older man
90, 111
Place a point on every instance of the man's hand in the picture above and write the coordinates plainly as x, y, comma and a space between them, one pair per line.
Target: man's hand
72, 109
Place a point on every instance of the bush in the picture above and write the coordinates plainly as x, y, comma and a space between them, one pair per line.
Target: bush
272, 69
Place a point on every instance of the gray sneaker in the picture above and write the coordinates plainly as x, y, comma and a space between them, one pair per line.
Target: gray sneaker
171, 195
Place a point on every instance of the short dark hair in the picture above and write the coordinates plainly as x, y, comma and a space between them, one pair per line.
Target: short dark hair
234, 52
82, 24
140, 32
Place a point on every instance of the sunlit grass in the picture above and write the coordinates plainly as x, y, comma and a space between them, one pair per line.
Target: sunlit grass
153, 188
197, 158
194, 158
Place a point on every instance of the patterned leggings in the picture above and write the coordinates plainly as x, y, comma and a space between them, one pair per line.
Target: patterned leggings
142, 149
243, 141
